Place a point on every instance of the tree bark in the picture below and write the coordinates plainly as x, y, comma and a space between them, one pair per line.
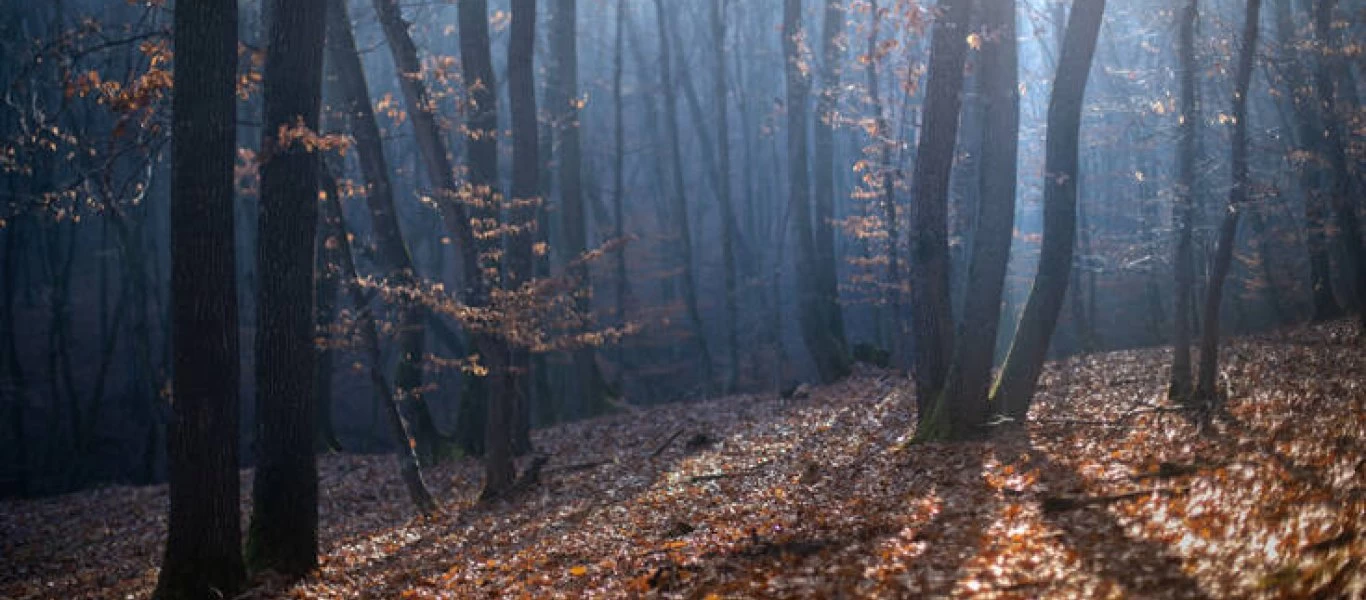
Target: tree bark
969, 379
1019, 376
931, 309
1179, 386
823, 146
283, 536
728, 233
831, 363
203, 547
678, 195
526, 197
1237, 197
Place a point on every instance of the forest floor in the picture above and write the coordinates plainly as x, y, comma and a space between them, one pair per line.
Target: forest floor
1108, 492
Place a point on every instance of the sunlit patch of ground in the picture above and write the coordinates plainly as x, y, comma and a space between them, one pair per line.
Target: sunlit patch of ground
1109, 492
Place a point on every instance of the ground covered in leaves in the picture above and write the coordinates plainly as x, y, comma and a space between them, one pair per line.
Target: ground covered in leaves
1108, 492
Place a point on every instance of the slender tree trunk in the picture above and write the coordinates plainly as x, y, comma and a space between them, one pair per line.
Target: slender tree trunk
15, 382
203, 556
1237, 198
823, 146
619, 176
1019, 376
1179, 386
284, 523
481, 125
338, 235
969, 379
728, 233
831, 362
1344, 209
931, 309
678, 195
392, 253
526, 197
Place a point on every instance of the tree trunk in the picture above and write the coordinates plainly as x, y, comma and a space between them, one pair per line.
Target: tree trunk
969, 379
823, 187
619, 176
931, 310
1020, 374
526, 197
481, 124
392, 255
1179, 386
283, 536
1344, 209
1237, 197
203, 547
722, 108
338, 235
678, 195
831, 362
441, 176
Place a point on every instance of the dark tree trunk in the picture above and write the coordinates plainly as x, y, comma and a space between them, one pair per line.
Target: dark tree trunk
831, 362
722, 110
931, 310
526, 196
678, 195
1020, 374
1237, 198
441, 176
284, 523
392, 254
969, 379
338, 236
1179, 386
823, 186
619, 175
203, 548
1344, 208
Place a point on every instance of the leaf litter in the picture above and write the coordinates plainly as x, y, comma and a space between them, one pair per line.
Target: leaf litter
1110, 491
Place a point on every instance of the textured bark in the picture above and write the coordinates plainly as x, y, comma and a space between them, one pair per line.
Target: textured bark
1237, 198
969, 380
678, 194
831, 363
1179, 386
1020, 374
823, 183
481, 124
283, 536
203, 557
392, 255
526, 197
728, 233
931, 309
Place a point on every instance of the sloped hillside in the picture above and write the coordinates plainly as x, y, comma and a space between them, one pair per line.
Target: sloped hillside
1109, 492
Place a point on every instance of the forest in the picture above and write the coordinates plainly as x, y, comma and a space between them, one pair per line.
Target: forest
682, 299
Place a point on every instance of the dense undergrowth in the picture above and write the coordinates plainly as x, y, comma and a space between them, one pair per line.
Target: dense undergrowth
1108, 492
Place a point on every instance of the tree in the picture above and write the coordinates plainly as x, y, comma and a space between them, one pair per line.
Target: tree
678, 192
203, 548
284, 523
1237, 198
526, 195
831, 363
392, 255
1183, 211
719, 96
969, 379
931, 310
823, 187
1024, 362
1344, 209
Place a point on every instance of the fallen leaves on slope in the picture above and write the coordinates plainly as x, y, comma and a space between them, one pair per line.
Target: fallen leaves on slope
1109, 492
